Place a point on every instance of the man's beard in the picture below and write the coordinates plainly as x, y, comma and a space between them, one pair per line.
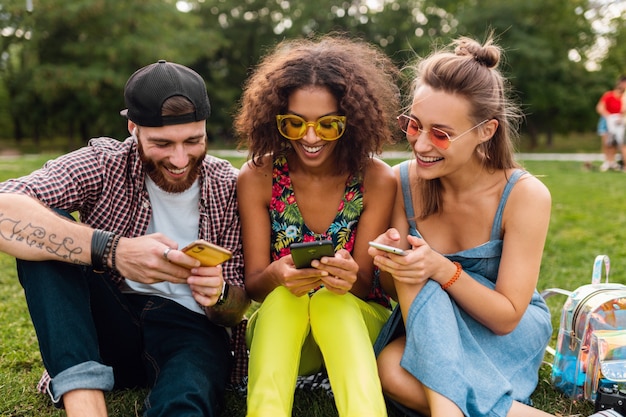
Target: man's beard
153, 170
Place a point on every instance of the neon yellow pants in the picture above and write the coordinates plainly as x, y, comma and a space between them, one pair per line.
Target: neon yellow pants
290, 336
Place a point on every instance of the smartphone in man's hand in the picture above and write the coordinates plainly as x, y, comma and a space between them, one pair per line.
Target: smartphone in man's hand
207, 253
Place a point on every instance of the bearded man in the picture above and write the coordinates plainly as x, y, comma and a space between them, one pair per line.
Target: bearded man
113, 301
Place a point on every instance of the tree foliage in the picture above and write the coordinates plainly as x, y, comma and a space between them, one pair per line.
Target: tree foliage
67, 77
63, 65
540, 37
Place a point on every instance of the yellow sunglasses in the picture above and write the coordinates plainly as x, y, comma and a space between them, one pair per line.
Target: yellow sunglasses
294, 127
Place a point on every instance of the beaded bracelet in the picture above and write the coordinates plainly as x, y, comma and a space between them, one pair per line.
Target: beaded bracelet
456, 276
107, 250
113, 250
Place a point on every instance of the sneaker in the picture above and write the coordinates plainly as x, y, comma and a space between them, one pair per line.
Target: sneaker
606, 413
615, 167
605, 166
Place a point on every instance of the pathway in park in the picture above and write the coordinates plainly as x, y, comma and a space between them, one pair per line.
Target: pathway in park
583, 157
223, 153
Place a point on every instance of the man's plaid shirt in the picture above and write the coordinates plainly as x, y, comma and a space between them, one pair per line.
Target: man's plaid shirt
104, 183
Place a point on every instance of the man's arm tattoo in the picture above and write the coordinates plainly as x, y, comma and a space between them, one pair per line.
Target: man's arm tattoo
17, 231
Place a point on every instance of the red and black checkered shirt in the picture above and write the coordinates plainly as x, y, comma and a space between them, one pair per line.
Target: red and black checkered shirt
104, 183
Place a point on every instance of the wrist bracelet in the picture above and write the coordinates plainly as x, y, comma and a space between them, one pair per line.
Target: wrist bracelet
101, 242
113, 250
456, 276
222, 298
107, 250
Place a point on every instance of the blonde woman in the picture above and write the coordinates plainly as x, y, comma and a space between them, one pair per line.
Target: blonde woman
473, 224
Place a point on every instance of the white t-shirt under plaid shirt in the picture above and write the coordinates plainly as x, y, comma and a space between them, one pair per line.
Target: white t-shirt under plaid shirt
104, 183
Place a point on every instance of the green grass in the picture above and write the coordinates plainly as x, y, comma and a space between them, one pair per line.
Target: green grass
582, 142
588, 218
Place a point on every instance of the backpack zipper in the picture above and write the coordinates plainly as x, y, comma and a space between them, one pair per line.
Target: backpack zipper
579, 307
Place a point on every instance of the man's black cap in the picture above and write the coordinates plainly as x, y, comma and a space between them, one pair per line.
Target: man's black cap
150, 86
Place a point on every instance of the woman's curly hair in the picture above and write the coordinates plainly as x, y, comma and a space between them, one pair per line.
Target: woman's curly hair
360, 77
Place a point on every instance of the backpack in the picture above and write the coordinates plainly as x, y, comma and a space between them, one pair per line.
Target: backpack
606, 363
588, 313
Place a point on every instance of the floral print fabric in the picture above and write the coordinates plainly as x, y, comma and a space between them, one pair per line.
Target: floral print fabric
289, 227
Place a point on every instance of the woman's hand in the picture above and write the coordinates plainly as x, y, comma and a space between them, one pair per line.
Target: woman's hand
418, 265
298, 281
342, 271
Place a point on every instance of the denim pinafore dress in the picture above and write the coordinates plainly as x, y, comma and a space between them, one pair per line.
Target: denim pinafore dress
453, 354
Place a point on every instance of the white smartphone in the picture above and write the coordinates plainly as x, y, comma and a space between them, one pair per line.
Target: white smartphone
388, 248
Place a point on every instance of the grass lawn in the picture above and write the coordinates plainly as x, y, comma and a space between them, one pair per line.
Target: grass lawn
588, 218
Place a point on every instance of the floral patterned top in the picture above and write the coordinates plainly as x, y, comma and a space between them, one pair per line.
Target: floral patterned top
289, 227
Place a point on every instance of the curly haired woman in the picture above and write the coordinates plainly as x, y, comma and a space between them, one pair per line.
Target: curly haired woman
313, 115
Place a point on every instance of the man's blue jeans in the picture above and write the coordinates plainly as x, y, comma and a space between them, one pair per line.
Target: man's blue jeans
93, 336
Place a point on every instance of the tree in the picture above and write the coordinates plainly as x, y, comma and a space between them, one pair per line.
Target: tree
81, 52
16, 25
540, 38
613, 64
64, 65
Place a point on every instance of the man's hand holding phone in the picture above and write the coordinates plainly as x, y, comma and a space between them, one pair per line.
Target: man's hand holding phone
206, 281
207, 285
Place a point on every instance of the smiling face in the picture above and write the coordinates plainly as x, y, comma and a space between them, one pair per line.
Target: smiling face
310, 104
172, 155
447, 113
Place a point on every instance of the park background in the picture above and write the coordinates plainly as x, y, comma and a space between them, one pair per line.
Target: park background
64, 63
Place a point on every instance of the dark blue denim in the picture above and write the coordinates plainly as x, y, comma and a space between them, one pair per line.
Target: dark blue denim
91, 335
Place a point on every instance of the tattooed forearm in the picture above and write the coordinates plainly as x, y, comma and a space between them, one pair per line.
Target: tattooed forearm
64, 248
19, 232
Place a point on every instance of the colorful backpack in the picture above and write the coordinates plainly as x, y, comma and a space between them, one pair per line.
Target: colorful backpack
606, 363
588, 309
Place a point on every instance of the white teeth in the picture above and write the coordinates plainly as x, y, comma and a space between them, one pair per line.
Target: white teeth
177, 171
428, 158
312, 149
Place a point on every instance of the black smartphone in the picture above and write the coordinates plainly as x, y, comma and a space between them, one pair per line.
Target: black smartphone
304, 253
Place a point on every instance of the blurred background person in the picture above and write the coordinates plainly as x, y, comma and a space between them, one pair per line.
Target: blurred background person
610, 109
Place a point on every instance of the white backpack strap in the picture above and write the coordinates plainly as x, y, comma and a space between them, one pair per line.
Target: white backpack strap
596, 275
545, 294
549, 292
